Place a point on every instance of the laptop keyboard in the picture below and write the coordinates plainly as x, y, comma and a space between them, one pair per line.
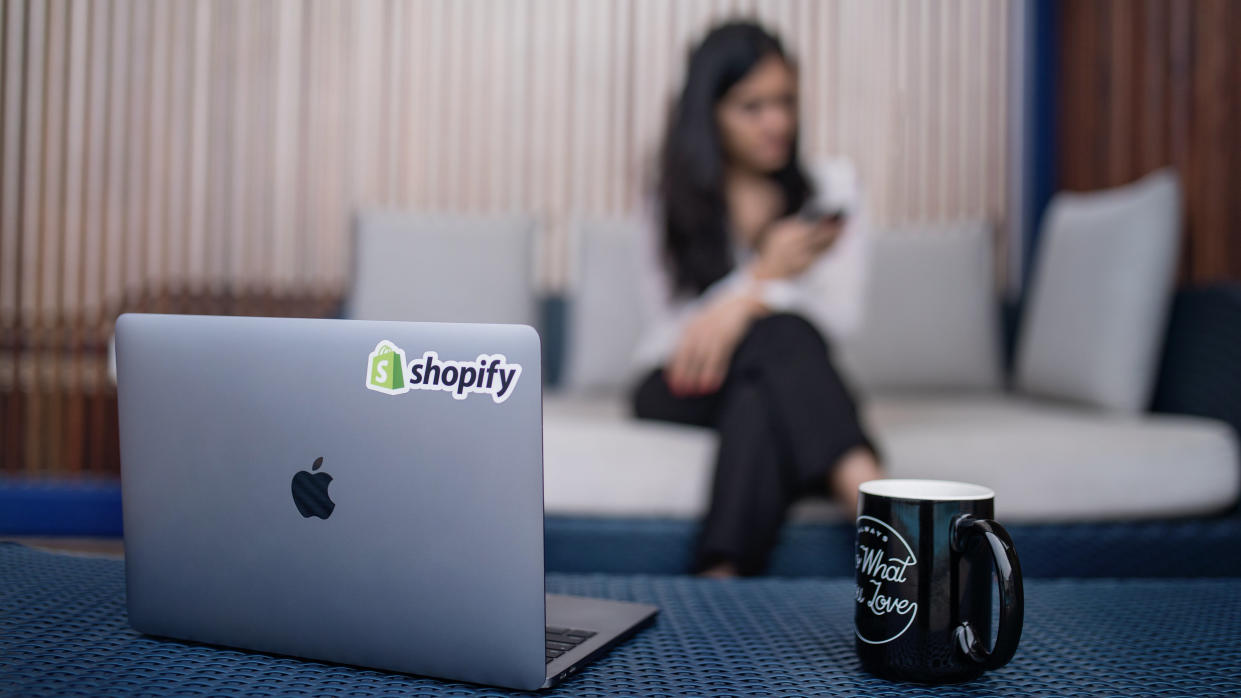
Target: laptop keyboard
561, 640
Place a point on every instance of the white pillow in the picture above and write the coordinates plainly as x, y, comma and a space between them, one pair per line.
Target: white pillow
412, 265
931, 318
1099, 295
604, 316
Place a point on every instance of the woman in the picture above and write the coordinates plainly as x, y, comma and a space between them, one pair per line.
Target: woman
743, 291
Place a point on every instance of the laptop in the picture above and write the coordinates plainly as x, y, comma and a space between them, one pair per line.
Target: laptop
367, 493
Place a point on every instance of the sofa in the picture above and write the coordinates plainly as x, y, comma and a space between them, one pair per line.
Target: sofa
1096, 430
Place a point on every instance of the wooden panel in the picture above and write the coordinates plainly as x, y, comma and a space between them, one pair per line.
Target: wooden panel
1151, 84
205, 155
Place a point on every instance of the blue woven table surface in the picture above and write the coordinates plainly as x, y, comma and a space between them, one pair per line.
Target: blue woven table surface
63, 630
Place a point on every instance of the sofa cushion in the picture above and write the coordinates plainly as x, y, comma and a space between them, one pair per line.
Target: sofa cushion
1046, 461
931, 320
1100, 293
1054, 462
411, 265
604, 322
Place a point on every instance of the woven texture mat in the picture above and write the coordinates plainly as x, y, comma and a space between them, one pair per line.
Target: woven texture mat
63, 631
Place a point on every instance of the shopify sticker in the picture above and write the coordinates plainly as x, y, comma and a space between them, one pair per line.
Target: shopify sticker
387, 372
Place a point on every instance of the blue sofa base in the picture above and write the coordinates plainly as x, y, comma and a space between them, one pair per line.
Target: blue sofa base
88, 508
1209, 547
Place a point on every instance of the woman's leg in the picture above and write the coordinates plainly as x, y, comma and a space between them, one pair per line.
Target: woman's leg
788, 426
813, 410
855, 467
751, 488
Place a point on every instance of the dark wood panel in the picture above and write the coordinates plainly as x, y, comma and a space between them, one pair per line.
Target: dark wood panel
1157, 83
57, 404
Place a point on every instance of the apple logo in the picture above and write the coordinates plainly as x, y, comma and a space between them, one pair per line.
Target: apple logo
310, 492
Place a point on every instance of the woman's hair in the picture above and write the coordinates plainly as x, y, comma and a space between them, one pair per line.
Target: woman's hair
691, 175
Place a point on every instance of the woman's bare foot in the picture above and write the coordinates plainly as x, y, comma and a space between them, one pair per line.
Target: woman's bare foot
858, 465
722, 570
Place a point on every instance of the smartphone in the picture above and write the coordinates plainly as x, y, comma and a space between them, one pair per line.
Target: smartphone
812, 214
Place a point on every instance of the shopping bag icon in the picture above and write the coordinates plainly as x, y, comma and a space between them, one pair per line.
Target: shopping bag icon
385, 369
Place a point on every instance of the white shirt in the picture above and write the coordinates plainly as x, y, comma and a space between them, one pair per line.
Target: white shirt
829, 293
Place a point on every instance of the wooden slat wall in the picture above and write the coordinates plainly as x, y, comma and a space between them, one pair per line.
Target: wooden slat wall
1154, 83
205, 155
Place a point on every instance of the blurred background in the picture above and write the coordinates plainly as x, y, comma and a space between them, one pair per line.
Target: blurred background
207, 156
223, 157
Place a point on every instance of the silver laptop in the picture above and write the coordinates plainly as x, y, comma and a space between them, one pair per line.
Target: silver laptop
369, 493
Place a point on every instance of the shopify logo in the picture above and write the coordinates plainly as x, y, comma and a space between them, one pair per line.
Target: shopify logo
387, 372
384, 372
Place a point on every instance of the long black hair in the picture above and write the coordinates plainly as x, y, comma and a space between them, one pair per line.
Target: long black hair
691, 174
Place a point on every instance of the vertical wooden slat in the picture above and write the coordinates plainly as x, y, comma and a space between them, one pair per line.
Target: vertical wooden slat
579, 115
973, 92
413, 24
362, 82
394, 62
11, 146
284, 130
11, 151
51, 237
1233, 145
620, 194
314, 137
153, 200
240, 189
998, 98
306, 145
1208, 185
253, 161
921, 160
73, 137
94, 215
331, 272
453, 54
497, 82
933, 164
219, 219
195, 258
29, 361
137, 175
1121, 105
70, 310
179, 146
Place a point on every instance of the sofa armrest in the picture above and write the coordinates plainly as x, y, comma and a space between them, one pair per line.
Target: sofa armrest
1201, 369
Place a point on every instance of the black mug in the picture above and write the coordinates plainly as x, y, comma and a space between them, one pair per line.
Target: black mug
925, 551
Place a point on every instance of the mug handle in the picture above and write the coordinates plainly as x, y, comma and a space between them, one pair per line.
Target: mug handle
1012, 598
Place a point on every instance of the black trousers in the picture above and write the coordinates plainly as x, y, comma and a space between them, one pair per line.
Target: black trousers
784, 417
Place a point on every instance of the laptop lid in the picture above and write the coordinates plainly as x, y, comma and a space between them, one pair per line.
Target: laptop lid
361, 492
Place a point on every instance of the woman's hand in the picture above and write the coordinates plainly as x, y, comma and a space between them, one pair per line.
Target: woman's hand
791, 244
700, 361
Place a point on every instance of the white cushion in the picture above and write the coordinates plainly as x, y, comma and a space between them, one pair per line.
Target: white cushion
599, 462
931, 320
442, 268
1046, 461
1099, 297
604, 321
1056, 462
